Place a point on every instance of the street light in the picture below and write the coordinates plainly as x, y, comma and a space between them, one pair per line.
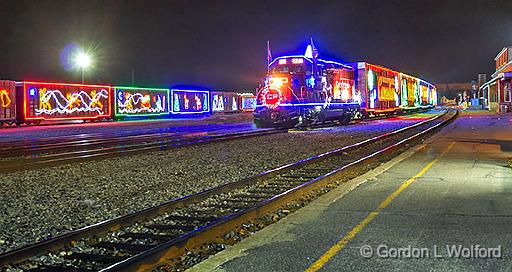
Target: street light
83, 61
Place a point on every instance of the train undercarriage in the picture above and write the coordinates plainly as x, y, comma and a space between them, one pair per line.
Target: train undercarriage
288, 117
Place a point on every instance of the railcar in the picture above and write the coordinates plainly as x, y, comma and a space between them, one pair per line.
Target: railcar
41, 101
305, 90
190, 101
139, 102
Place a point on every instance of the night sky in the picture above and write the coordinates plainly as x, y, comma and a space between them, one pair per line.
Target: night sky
222, 44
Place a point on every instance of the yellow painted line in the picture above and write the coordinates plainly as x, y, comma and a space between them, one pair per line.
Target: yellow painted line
349, 236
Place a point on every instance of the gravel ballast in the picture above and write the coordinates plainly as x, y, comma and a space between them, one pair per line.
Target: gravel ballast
39, 204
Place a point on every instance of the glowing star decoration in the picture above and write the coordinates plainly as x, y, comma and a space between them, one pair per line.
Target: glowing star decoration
234, 106
5, 99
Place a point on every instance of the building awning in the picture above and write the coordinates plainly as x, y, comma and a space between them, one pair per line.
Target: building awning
490, 82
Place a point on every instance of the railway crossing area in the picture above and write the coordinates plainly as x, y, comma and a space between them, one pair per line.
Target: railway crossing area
444, 205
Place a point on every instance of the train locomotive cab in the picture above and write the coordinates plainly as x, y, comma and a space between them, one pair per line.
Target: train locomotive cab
299, 90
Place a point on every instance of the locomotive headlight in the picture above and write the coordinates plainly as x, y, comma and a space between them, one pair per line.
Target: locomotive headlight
277, 82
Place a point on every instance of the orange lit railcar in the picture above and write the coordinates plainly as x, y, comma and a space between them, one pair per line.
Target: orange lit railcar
379, 87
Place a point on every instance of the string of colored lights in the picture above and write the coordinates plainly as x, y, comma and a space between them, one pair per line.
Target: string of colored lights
73, 102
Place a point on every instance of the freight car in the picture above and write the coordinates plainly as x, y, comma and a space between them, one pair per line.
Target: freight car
39, 101
232, 102
305, 90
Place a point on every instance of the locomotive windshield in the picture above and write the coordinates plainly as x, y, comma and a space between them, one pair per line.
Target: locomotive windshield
290, 65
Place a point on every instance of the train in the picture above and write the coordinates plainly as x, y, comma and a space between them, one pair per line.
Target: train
301, 90
27, 102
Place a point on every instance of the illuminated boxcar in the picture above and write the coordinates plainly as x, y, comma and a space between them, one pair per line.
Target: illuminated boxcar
7, 102
224, 102
379, 87
190, 101
63, 101
247, 101
140, 102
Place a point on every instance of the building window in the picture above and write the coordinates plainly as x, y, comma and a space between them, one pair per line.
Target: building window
493, 98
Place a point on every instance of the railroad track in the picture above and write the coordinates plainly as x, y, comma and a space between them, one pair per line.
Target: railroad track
81, 141
103, 148
146, 239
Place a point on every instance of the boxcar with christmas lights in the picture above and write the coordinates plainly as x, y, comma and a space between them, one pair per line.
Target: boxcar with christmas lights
140, 102
302, 90
226, 102
62, 101
380, 88
7, 102
189, 101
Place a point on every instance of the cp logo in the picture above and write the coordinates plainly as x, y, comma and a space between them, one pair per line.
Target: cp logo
272, 97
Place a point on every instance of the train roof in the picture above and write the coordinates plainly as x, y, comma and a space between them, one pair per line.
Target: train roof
321, 62
356, 64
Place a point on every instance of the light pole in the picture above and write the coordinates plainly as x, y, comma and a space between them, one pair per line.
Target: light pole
83, 61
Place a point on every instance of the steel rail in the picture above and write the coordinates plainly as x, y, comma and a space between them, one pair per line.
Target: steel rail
91, 139
206, 233
12, 165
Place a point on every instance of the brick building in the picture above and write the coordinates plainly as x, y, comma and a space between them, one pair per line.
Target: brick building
498, 89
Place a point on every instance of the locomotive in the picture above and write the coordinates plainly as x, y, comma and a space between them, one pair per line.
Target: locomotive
304, 90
